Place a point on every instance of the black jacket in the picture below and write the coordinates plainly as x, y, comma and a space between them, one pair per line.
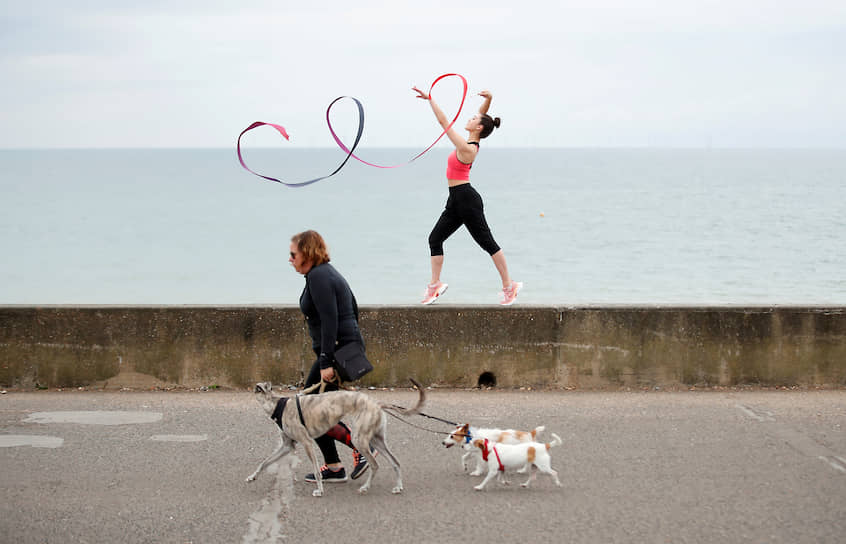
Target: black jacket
331, 312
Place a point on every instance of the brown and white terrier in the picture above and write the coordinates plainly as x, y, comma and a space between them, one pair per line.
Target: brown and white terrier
503, 457
465, 434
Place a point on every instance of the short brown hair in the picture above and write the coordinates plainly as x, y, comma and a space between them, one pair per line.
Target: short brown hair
310, 243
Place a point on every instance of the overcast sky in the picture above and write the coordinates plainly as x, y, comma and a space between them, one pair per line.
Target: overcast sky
736, 73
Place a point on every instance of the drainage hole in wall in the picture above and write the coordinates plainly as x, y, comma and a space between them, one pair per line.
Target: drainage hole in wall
487, 379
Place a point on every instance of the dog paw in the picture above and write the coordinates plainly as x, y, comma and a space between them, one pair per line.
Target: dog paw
476, 473
397, 490
363, 489
525, 485
478, 488
251, 478
317, 493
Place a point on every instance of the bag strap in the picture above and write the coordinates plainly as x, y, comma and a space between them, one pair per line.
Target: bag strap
355, 307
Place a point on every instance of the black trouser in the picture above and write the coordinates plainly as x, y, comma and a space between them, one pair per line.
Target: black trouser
464, 207
339, 432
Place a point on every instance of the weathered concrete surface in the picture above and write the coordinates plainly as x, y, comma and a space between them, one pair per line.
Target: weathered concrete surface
683, 467
608, 347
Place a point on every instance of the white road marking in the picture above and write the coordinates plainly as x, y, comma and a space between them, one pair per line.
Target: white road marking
835, 462
34, 440
756, 413
179, 437
95, 417
265, 525
800, 442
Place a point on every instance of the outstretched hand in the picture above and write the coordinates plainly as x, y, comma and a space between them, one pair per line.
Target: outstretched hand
421, 94
486, 94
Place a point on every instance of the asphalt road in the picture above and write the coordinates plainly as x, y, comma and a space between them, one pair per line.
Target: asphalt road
717, 466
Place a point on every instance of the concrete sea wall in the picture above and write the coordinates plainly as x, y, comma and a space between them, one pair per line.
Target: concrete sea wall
584, 347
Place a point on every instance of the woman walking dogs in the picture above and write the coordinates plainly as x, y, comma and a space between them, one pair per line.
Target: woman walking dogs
464, 205
332, 315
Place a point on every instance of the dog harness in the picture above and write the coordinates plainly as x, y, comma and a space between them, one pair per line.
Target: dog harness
487, 451
276, 416
300, 411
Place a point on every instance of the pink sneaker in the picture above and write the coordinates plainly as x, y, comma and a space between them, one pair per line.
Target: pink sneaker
509, 294
433, 291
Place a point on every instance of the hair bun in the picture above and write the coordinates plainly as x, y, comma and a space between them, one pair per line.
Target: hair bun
496, 122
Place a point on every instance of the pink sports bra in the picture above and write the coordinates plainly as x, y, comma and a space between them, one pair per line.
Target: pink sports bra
457, 170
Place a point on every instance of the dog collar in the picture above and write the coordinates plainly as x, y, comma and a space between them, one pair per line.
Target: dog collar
468, 437
276, 416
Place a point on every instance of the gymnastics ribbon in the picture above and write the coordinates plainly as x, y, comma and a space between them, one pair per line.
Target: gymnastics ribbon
284, 133
454, 119
350, 151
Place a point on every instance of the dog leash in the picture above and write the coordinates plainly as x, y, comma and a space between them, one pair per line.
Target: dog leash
427, 415
410, 424
439, 419
322, 385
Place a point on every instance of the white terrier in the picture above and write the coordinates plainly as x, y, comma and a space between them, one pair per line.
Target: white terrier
465, 434
502, 457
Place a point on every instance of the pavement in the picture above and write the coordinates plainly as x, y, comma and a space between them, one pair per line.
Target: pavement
716, 466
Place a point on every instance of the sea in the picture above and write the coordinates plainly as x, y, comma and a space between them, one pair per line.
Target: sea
579, 227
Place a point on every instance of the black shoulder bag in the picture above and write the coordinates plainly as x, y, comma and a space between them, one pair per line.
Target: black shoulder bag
350, 361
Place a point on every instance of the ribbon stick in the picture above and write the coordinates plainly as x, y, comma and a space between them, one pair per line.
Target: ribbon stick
284, 133
454, 119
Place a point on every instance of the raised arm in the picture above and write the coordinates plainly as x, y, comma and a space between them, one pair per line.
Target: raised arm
486, 103
460, 144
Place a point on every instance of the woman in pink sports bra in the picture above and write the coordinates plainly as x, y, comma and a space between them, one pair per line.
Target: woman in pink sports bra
464, 205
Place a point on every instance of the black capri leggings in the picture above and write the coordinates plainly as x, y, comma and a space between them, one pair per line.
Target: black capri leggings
464, 207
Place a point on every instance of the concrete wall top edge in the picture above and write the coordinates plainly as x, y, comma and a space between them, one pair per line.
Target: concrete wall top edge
452, 307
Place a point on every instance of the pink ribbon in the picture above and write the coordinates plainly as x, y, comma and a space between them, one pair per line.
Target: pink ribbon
454, 119
348, 151
284, 133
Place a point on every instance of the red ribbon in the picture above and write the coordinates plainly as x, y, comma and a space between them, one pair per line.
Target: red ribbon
454, 119
349, 151
284, 133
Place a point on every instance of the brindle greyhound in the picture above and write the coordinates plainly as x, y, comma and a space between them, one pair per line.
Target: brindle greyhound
313, 415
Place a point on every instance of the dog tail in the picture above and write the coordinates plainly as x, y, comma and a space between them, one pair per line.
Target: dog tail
421, 399
556, 441
536, 431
